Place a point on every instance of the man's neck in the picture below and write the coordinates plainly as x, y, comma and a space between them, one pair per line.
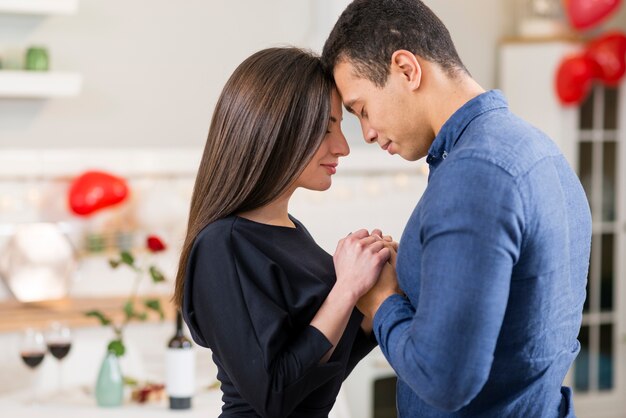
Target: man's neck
455, 93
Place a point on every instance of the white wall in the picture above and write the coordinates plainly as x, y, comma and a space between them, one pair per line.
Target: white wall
153, 68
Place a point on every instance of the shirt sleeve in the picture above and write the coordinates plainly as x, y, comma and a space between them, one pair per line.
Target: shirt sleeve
361, 347
471, 233
237, 310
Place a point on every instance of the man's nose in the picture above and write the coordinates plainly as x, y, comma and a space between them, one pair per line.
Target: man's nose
370, 135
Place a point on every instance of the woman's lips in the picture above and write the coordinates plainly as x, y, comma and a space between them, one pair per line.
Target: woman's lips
331, 168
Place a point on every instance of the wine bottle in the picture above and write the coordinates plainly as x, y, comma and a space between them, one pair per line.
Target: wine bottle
180, 368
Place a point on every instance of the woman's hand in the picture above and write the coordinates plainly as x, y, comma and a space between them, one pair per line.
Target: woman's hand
389, 242
358, 260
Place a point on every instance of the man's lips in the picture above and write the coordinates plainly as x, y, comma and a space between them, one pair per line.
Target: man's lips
387, 147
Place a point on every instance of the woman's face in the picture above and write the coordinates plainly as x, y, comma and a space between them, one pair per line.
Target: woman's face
317, 174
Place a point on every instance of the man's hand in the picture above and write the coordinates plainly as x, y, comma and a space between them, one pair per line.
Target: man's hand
386, 286
358, 260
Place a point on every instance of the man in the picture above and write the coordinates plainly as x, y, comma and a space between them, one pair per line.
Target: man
493, 261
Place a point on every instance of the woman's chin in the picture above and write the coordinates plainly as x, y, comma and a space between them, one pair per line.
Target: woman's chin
320, 187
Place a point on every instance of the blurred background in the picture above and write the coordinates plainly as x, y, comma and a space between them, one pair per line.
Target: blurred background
127, 89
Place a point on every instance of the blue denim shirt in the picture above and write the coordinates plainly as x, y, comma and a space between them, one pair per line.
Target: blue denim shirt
494, 263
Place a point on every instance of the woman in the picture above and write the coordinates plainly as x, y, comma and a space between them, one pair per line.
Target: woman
253, 285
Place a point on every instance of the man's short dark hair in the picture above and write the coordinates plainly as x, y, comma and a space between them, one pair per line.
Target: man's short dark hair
368, 32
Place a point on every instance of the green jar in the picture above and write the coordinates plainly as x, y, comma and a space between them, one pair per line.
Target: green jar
37, 59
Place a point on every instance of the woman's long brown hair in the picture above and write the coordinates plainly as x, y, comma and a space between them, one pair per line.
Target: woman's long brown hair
268, 123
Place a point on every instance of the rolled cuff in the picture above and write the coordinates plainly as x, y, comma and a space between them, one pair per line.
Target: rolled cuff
395, 309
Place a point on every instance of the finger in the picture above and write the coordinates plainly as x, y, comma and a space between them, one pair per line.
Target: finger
361, 233
384, 255
376, 246
377, 232
378, 253
365, 242
387, 238
390, 244
393, 256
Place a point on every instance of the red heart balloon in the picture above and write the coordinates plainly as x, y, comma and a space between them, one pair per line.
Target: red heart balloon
95, 190
584, 14
609, 53
574, 78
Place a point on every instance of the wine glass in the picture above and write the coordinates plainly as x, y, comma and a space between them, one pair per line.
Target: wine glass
32, 351
59, 342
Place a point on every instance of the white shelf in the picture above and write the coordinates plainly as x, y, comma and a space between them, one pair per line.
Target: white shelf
39, 7
38, 84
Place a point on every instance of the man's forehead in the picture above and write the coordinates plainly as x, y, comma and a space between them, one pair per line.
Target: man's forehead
345, 70
348, 83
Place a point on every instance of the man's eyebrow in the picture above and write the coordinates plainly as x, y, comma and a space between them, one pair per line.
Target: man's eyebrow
333, 119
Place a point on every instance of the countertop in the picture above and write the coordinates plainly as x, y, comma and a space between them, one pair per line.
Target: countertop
76, 403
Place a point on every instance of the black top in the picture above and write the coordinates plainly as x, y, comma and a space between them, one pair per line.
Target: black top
251, 291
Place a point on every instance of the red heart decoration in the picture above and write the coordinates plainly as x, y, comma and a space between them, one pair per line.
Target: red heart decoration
574, 78
584, 14
95, 190
609, 53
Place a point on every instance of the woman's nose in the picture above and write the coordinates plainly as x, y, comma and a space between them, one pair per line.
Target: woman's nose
340, 146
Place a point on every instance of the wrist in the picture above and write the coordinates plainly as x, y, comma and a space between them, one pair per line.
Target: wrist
376, 303
344, 294
382, 297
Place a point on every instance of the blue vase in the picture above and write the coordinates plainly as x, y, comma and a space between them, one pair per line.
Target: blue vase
110, 384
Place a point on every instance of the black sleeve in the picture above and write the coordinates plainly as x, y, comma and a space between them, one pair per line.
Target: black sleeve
361, 347
236, 303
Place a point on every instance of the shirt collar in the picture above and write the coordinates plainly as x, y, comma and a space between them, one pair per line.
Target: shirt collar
453, 128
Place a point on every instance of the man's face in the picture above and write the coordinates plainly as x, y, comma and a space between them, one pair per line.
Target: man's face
390, 116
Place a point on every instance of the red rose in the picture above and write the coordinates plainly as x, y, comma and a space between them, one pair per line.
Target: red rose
155, 244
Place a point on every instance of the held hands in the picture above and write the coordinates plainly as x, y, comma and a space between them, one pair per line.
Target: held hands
389, 243
358, 260
386, 286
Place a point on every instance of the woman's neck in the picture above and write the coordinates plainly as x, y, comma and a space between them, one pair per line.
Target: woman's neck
274, 213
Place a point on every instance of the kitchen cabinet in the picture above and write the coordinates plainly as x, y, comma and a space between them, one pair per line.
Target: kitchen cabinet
593, 138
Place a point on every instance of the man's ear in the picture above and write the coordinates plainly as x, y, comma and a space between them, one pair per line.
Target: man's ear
405, 64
